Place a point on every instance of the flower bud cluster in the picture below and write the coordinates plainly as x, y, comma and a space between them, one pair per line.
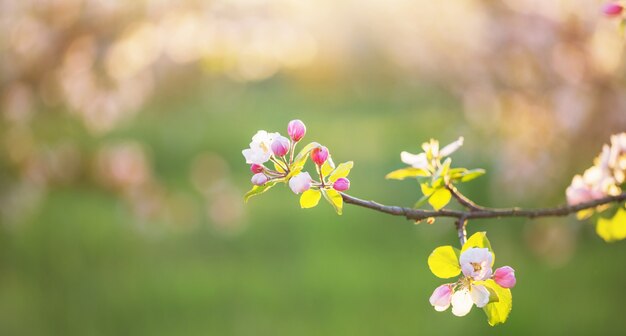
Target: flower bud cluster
287, 167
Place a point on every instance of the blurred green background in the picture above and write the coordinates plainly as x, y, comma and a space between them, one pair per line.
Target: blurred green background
121, 174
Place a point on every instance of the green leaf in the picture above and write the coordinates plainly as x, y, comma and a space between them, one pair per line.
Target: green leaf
480, 240
257, 190
457, 173
472, 174
614, 228
440, 198
498, 312
341, 171
444, 262
421, 201
403, 173
310, 198
334, 198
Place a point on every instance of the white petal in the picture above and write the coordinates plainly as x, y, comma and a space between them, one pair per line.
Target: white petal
415, 160
451, 148
480, 295
441, 308
461, 302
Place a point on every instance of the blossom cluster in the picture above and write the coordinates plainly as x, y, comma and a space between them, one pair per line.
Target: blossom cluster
272, 159
433, 171
605, 177
479, 284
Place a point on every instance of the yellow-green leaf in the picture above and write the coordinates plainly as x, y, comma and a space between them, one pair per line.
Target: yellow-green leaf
584, 214
440, 198
310, 198
294, 171
334, 198
612, 229
444, 262
479, 239
426, 189
341, 171
403, 173
472, 174
498, 312
300, 159
328, 166
278, 168
257, 190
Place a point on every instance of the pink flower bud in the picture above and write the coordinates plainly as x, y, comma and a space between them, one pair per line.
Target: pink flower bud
342, 184
300, 183
259, 179
612, 9
280, 146
256, 168
505, 277
319, 155
441, 297
296, 130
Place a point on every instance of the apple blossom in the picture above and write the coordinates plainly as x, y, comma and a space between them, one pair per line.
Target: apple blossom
259, 179
505, 277
476, 263
475, 286
319, 155
280, 145
296, 130
342, 184
260, 148
300, 183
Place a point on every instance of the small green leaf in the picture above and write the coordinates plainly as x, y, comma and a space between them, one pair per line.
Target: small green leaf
498, 312
341, 171
457, 173
310, 198
440, 198
403, 173
421, 201
472, 174
614, 228
444, 262
257, 190
334, 198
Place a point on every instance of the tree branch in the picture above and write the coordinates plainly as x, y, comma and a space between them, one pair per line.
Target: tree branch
418, 214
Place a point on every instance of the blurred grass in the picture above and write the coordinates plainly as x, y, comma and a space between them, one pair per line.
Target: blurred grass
82, 266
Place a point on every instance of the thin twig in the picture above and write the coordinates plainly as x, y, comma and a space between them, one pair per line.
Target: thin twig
418, 214
464, 201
